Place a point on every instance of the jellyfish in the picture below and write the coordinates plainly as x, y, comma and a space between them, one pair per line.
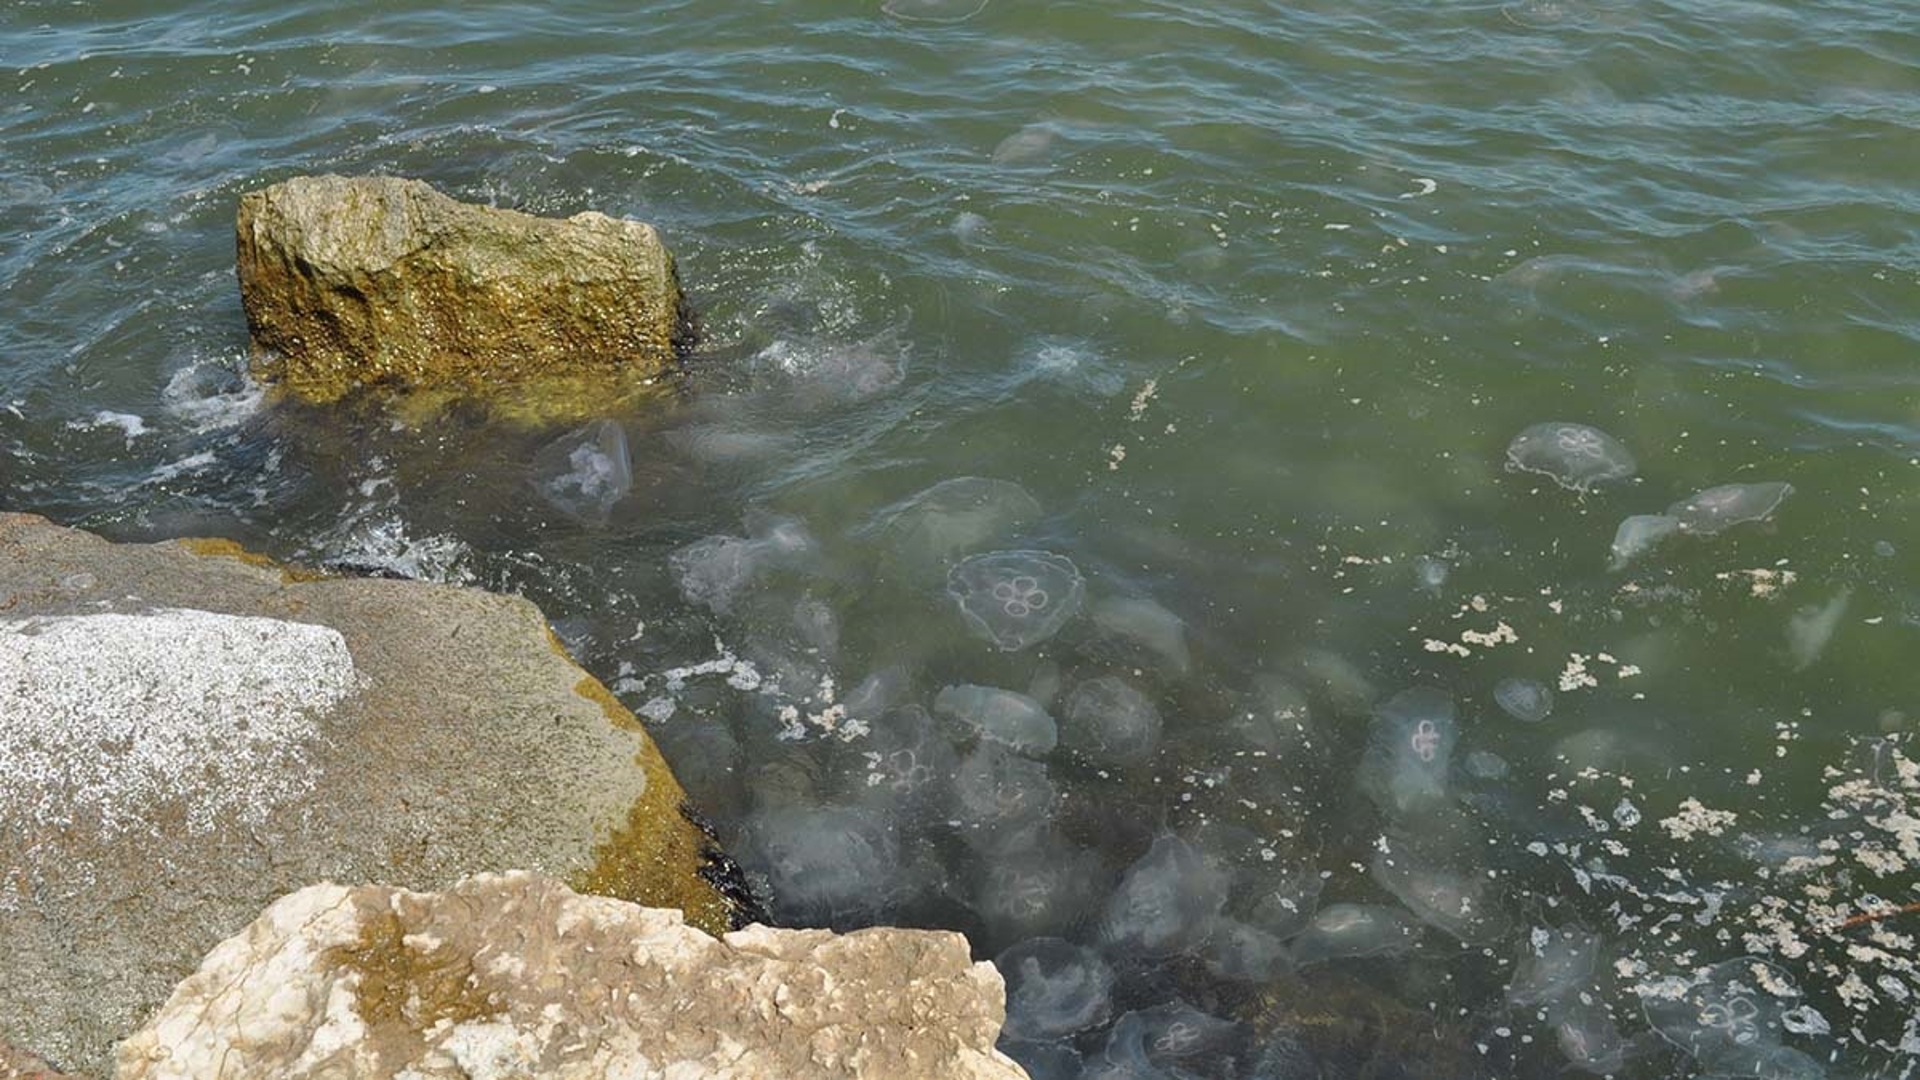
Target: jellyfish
716, 570
970, 228
827, 866
1554, 964
1015, 721
1810, 628
1054, 989
1240, 952
838, 372
1587, 1035
1026, 146
903, 767
1288, 904
953, 516
934, 11
1353, 930
1035, 883
586, 472
1337, 680
817, 624
719, 444
1729, 1017
1016, 599
1043, 1060
1523, 699
1272, 718
1165, 903
1717, 509
1147, 626
878, 692
1431, 573
997, 792
1410, 750
1110, 723
1486, 765
1638, 535
1173, 1039
1460, 904
1575, 456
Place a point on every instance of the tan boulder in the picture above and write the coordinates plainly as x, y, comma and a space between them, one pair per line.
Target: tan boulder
356, 281
513, 975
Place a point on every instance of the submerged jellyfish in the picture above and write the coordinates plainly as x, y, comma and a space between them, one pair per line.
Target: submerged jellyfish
1015, 721
1239, 952
931, 526
1638, 535
1730, 1017
1036, 883
1165, 903
1146, 625
997, 792
1343, 930
1717, 509
1016, 599
1524, 699
1110, 723
1587, 1035
934, 11
1574, 456
1411, 749
1054, 989
714, 571
1272, 718
585, 473
1174, 1039
1554, 964
1029, 144
1460, 904
827, 866
903, 768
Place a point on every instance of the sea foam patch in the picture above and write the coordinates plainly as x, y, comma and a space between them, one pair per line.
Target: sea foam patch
107, 717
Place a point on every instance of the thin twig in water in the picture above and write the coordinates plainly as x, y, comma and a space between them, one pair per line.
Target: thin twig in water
1870, 917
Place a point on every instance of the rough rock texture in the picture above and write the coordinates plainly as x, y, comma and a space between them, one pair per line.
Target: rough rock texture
188, 732
17, 1064
349, 281
509, 975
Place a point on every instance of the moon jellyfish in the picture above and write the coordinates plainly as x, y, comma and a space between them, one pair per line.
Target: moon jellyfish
970, 228
716, 570
1575, 456
1035, 883
1729, 1017
1554, 964
1174, 1039
997, 792
585, 473
1110, 723
1588, 1036
878, 692
1353, 930
1028, 145
1523, 699
1239, 952
934, 11
1146, 625
1043, 1060
1016, 599
1165, 903
931, 526
1638, 535
1289, 903
1810, 628
1054, 989
1460, 904
1273, 718
1486, 765
1717, 509
826, 866
903, 768
1411, 749
817, 624
1431, 573
1015, 721
1337, 680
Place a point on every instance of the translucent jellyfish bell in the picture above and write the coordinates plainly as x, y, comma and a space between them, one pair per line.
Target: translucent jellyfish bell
1459, 903
1575, 456
1553, 964
1016, 599
1730, 1017
1110, 723
1054, 989
1165, 903
1342, 930
583, 474
953, 516
1015, 721
1173, 1039
1524, 699
1411, 749
1717, 509
1638, 535
934, 11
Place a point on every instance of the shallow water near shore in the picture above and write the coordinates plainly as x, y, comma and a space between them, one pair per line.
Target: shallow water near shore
1232, 312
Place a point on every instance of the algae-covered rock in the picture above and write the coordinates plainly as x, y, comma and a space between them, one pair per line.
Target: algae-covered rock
515, 975
17, 1064
188, 731
351, 281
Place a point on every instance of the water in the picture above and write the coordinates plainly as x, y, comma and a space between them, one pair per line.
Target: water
1249, 300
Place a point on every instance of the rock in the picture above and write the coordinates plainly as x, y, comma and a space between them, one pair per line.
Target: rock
516, 975
188, 731
17, 1064
350, 281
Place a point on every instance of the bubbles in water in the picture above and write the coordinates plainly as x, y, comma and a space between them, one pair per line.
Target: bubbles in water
1054, 989
934, 11
1016, 599
1411, 749
1148, 626
1165, 902
1015, 721
1524, 699
583, 474
1638, 535
1110, 723
211, 396
1575, 456
1717, 509
951, 517
1352, 930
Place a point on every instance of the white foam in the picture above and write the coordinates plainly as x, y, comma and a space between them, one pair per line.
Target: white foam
129, 424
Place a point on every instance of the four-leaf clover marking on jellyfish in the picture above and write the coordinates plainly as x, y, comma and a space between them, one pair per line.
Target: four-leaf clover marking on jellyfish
1020, 596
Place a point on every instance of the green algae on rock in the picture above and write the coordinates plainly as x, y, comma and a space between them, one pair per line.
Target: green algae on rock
358, 281
194, 731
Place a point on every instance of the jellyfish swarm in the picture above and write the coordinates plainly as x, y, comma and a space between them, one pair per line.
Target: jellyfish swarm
1054, 989
1717, 509
1015, 721
1729, 1018
1555, 963
1523, 699
1575, 456
1036, 883
1110, 723
931, 526
1016, 599
715, 571
584, 473
1165, 903
1352, 930
904, 768
1410, 750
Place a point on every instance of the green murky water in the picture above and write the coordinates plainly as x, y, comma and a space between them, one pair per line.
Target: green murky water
1248, 299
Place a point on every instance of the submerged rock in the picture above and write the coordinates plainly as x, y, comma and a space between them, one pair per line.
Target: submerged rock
351, 281
515, 975
192, 731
